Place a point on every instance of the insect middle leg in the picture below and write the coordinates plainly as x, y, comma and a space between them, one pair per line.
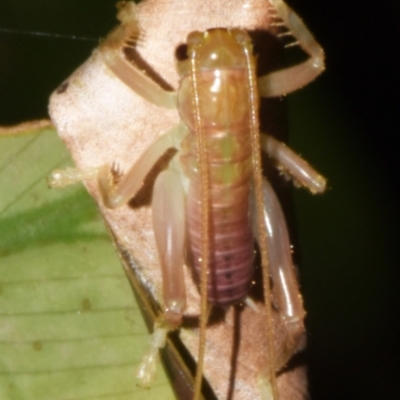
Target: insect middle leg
293, 165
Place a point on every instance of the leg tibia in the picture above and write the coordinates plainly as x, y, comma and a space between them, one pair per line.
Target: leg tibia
111, 50
115, 195
288, 80
286, 292
300, 31
292, 164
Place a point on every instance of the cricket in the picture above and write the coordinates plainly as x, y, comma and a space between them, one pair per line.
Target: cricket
211, 205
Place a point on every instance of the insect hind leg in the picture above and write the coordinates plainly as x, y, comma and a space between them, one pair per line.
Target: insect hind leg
168, 206
286, 293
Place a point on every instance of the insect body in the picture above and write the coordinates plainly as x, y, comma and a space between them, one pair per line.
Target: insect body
225, 107
213, 188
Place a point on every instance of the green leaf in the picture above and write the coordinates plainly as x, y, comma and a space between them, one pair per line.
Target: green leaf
69, 324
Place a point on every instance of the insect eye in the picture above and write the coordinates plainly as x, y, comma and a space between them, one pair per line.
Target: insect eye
181, 53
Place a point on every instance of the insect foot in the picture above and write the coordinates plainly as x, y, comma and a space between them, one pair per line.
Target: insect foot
147, 369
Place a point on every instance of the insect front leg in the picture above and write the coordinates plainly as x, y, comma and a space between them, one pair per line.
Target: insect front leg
290, 79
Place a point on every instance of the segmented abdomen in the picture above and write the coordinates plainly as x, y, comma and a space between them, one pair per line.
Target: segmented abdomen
231, 239
224, 111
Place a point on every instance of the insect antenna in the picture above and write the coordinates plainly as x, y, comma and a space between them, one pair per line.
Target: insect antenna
205, 239
48, 34
262, 235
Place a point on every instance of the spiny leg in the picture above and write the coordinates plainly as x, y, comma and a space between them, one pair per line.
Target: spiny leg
168, 207
125, 36
296, 167
116, 194
290, 79
127, 187
286, 292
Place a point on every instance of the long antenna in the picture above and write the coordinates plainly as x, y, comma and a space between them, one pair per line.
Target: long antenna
205, 240
48, 34
262, 236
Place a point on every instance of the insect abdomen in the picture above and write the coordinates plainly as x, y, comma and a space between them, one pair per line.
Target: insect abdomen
224, 109
231, 239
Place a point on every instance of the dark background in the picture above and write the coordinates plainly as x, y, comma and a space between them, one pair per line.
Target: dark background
344, 123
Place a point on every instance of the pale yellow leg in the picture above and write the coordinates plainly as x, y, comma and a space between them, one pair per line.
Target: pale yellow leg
292, 164
130, 183
285, 290
117, 195
290, 79
111, 50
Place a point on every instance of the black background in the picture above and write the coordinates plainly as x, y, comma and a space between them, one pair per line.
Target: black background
345, 123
